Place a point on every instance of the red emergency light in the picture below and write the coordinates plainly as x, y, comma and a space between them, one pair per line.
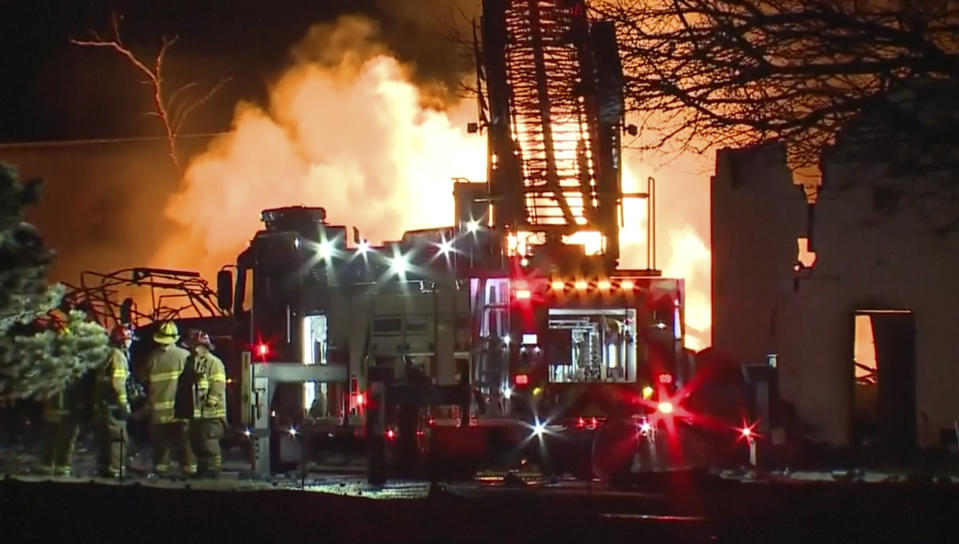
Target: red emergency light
262, 349
360, 399
748, 432
390, 435
666, 378
521, 379
523, 294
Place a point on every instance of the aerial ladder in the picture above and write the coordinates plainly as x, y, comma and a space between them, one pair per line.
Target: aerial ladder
550, 96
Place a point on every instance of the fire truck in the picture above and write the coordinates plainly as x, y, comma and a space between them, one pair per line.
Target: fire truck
513, 323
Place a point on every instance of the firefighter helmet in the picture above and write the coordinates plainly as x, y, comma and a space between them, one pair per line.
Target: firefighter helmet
120, 335
199, 338
167, 333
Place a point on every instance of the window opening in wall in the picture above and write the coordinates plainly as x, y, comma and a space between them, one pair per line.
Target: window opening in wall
864, 352
805, 258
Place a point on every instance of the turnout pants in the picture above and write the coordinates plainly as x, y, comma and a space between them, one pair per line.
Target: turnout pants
205, 435
59, 440
112, 444
171, 436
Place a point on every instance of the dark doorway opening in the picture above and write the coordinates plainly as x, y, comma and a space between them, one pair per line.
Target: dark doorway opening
884, 396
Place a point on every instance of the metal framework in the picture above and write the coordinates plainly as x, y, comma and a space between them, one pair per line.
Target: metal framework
549, 118
173, 294
555, 107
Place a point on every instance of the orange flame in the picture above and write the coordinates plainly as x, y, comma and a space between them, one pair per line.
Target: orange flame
682, 197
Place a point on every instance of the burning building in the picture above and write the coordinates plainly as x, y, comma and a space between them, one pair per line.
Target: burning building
852, 298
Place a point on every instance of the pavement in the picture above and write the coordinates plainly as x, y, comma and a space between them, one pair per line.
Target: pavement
21, 462
331, 496
528, 508
857, 475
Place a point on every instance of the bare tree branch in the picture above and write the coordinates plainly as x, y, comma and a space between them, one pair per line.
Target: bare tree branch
181, 118
180, 92
715, 73
153, 77
171, 124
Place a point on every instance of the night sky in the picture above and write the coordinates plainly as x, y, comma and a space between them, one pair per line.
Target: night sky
53, 90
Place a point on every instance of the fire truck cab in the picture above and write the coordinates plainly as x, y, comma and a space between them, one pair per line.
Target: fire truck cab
303, 297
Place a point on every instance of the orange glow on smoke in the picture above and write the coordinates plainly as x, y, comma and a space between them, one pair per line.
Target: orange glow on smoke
346, 129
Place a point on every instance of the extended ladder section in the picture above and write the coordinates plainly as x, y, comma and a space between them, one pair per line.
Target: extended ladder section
555, 101
549, 119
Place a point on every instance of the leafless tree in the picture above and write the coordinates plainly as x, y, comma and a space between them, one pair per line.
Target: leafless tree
706, 74
171, 109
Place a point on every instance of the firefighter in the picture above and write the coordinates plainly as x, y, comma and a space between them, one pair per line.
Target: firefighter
206, 376
111, 406
62, 414
161, 373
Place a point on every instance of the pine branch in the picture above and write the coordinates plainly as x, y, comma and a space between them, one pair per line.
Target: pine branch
41, 349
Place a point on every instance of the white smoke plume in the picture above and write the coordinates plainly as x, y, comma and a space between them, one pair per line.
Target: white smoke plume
345, 129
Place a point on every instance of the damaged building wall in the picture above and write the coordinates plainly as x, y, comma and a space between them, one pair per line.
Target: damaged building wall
880, 246
757, 215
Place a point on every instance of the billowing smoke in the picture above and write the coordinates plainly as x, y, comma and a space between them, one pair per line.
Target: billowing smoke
345, 129
436, 33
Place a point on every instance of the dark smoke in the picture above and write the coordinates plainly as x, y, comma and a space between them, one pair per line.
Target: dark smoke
428, 35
